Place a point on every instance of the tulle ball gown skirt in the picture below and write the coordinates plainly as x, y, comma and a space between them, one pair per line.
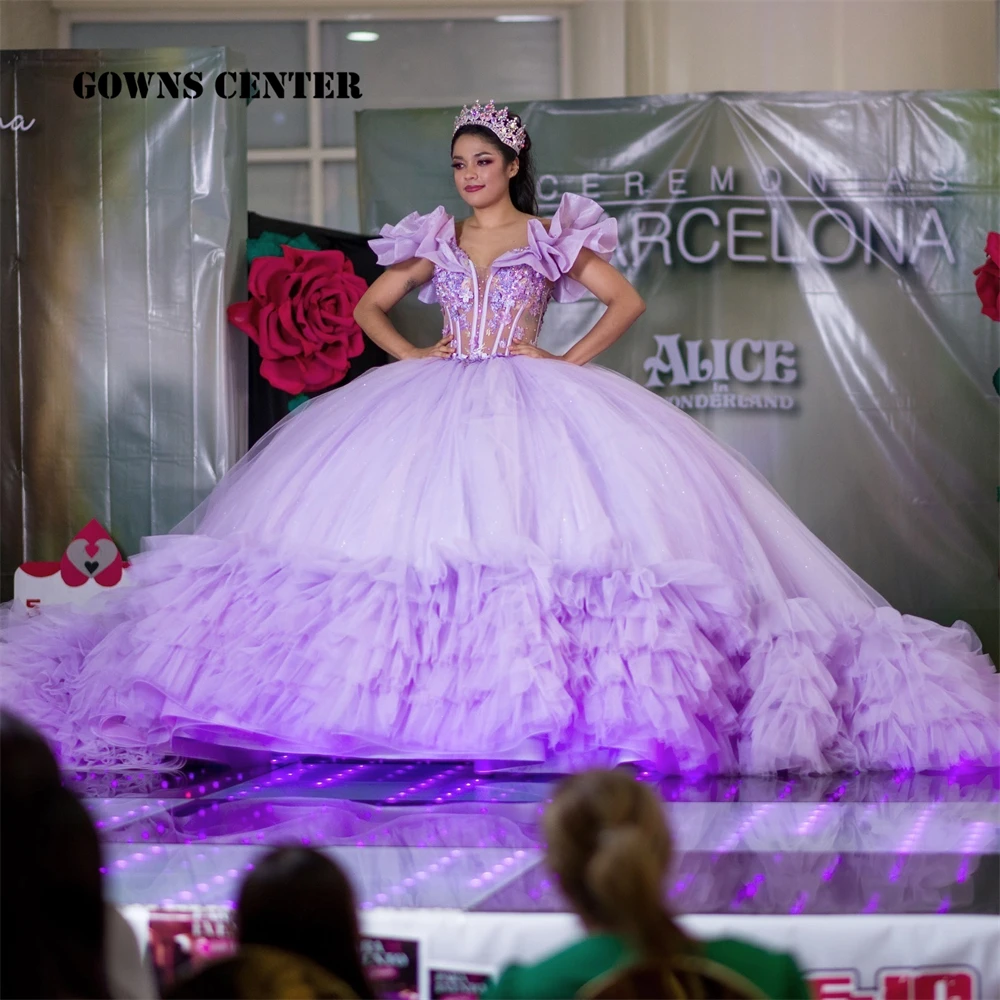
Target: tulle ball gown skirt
514, 559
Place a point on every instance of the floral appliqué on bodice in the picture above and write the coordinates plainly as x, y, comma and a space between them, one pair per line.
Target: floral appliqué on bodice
488, 309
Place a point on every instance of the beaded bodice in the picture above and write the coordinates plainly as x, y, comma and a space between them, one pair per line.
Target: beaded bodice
488, 309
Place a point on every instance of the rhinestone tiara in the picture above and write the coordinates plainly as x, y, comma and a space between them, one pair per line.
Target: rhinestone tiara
503, 125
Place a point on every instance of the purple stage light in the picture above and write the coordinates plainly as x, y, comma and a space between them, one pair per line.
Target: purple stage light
828, 872
800, 903
806, 837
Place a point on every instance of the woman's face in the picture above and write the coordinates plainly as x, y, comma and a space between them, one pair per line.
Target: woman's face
481, 175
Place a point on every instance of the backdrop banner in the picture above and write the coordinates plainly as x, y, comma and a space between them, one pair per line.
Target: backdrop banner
123, 230
807, 263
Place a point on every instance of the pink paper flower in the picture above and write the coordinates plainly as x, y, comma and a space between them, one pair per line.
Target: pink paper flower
301, 317
988, 279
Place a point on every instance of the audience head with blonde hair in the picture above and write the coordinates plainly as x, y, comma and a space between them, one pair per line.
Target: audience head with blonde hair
609, 846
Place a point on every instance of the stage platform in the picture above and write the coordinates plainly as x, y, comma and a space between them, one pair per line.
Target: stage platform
883, 885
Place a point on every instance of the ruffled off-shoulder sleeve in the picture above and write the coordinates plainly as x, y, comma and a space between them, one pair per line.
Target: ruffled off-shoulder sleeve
578, 223
429, 236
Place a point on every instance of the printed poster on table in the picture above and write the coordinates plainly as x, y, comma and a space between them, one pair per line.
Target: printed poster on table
183, 939
393, 967
455, 982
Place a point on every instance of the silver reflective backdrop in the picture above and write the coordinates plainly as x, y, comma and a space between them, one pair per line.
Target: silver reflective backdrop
837, 230
122, 233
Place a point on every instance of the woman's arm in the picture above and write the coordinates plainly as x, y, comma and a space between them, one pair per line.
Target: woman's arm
625, 306
387, 289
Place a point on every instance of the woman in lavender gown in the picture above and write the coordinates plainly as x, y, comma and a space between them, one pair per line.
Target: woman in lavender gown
485, 551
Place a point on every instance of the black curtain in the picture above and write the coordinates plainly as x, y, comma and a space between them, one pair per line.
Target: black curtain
268, 405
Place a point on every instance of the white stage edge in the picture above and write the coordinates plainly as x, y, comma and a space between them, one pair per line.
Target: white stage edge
863, 957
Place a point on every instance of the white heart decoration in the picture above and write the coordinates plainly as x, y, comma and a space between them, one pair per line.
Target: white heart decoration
91, 565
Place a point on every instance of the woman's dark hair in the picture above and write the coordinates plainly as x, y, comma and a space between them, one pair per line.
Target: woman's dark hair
28, 766
258, 971
522, 184
300, 901
609, 846
52, 921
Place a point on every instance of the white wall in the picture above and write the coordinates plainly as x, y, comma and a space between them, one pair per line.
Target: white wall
27, 24
622, 47
597, 45
677, 46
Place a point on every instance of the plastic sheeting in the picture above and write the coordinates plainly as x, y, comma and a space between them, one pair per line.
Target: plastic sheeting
807, 265
123, 240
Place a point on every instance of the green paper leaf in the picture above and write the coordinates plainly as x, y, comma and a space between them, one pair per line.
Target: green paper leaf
269, 244
297, 401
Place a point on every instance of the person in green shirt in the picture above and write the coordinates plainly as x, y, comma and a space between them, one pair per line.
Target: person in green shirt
609, 847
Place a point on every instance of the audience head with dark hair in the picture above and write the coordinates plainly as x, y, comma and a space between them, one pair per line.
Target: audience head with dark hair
28, 767
52, 921
256, 971
300, 901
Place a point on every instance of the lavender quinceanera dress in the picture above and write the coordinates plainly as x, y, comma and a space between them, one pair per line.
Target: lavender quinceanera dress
507, 558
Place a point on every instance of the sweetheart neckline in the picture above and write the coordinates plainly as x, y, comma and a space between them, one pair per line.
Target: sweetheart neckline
489, 267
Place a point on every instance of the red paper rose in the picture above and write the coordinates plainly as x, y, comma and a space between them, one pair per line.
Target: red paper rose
988, 278
301, 316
